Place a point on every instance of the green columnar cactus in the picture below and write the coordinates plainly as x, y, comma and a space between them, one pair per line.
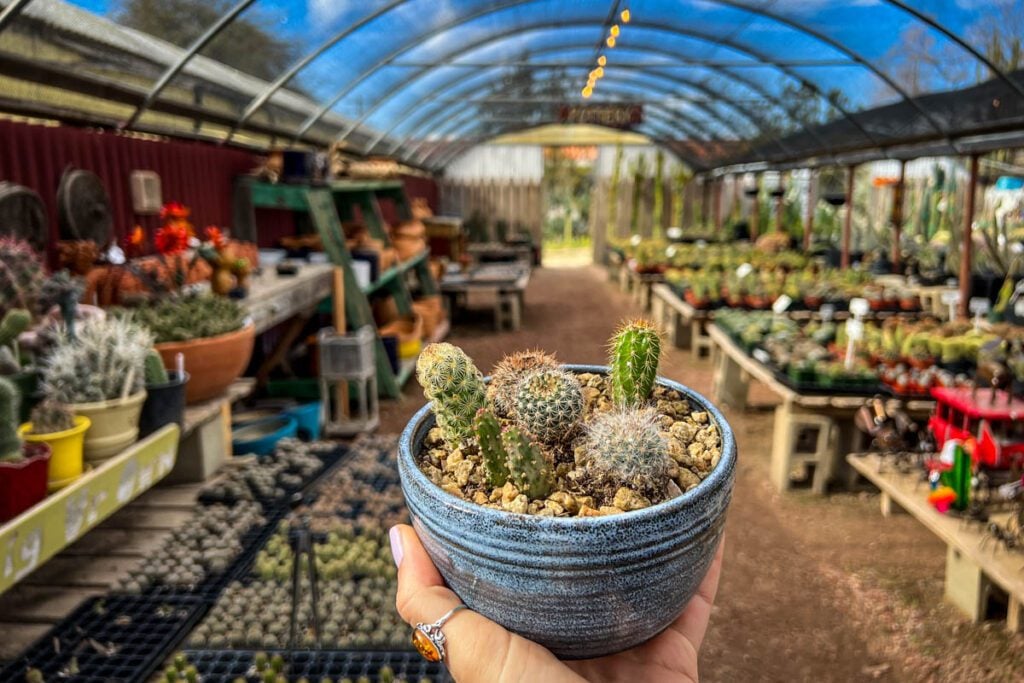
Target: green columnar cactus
509, 372
549, 405
51, 417
21, 275
529, 469
456, 387
15, 322
155, 372
625, 448
492, 450
10, 402
635, 353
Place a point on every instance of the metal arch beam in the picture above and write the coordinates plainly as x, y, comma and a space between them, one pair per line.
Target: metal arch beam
198, 44
941, 28
11, 12
725, 73
737, 47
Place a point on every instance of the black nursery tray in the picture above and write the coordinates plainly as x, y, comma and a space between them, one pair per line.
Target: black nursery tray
834, 389
225, 666
111, 638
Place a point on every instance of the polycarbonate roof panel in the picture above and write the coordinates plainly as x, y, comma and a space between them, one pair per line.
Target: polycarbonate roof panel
721, 81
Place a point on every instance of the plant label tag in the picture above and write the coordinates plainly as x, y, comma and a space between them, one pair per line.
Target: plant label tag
781, 304
859, 307
1018, 308
827, 312
854, 330
761, 356
951, 298
744, 270
979, 305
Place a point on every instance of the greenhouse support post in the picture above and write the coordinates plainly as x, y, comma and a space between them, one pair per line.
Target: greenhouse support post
779, 203
897, 218
755, 208
965, 250
718, 206
809, 215
705, 200
844, 261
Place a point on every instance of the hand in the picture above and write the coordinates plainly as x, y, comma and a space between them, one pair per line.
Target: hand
481, 651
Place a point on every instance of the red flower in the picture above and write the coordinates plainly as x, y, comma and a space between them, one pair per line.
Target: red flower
135, 243
174, 210
171, 239
215, 236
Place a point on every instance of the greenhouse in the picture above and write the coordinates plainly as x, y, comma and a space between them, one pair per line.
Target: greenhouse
416, 341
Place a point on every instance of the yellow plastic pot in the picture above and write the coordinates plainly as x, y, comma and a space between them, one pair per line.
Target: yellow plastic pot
66, 447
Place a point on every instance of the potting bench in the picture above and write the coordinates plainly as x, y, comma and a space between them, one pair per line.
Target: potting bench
685, 325
506, 281
975, 564
831, 416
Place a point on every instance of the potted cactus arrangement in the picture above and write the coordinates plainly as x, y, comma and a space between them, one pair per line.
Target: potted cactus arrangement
165, 395
579, 506
21, 279
212, 333
99, 374
54, 424
22, 465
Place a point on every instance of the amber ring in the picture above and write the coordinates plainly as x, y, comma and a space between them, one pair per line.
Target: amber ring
429, 640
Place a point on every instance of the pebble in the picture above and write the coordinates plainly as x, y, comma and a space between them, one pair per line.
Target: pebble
627, 499
463, 469
588, 511
520, 504
610, 510
480, 498
673, 490
565, 501
509, 492
453, 489
435, 437
687, 479
553, 508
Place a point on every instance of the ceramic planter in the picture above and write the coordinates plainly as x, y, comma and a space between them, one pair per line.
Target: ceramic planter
165, 403
582, 587
115, 425
23, 484
261, 437
66, 449
213, 363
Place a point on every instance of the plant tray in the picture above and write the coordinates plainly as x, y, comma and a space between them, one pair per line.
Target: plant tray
224, 666
137, 632
846, 388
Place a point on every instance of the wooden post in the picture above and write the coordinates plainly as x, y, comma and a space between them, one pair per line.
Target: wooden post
848, 220
812, 197
338, 299
965, 250
718, 206
779, 203
705, 200
755, 208
897, 218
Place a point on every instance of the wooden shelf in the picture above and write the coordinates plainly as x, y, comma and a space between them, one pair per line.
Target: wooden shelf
391, 275
365, 185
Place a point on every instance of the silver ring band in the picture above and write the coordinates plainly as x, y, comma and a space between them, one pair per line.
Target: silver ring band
435, 635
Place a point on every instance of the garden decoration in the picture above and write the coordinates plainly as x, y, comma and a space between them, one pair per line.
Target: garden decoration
564, 482
55, 425
230, 275
22, 465
100, 374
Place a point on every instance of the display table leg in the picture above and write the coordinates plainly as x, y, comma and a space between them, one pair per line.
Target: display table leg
731, 383
966, 585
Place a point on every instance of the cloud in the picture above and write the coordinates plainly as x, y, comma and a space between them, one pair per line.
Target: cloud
324, 11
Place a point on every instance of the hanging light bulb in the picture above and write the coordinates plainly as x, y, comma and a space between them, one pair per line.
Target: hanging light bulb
625, 16
610, 42
602, 60
599, 72
614, 30
587, 92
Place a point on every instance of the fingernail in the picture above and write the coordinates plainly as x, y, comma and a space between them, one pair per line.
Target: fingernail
395, 536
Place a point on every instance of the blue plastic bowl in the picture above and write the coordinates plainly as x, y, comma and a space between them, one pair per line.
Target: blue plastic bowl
261, 437
581, 587
308, 417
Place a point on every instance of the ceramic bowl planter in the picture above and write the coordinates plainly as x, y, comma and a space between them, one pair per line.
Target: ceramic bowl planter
581, 586
115, 425
261, 437
213, 362
165, 404
66, 448
23, 483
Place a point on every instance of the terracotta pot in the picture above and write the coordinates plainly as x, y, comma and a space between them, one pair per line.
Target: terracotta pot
431, 311
213, 362
115, 425
23, 484
408, 247
908, 304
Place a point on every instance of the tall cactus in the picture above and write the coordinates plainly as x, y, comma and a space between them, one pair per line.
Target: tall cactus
528, 467
14, 322
635, 354
492, 450
456, 387
549, 405
21, 275
10, 402
509, 372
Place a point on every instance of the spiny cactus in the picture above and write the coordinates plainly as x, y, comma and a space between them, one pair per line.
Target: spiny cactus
528, 468
625, 448
492, 450
176, 319
549, 405
64, 291
14, 322
51, 417
456, 387
509, 372
21, 275
155, 372
635, 352
106, 361
10, 402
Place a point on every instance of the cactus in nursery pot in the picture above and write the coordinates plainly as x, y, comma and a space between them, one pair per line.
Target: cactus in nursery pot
635, 353
51, 417
549, 405
10, 442
455, 385
509, 372
155, 372
528, 467
21, 275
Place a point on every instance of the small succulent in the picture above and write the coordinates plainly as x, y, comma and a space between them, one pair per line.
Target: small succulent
528, 468
451, 380
10, 442
624, 448
51, 417
154, 370
492, 450
635, 354
509, 372
14, 322
21, 275
177, 319
549, 405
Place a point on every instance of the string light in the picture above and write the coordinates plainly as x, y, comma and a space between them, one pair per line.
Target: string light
625, 16
599, 72
602, 60
614, 30
587, 92
610, 42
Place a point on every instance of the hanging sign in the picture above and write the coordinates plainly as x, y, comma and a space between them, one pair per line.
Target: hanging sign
608, 115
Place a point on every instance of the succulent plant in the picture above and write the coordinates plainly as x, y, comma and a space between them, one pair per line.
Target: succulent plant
51, 417
492, 450
625, 448
10, 442
456, 387
9, 364
154, 370
511, 370
529, 469
105, 361
549, 405
21, 275
14, 322
177, 319
635, 354
63, 290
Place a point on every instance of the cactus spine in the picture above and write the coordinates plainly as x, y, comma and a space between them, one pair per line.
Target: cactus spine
456, 387
15, 322
492, 450
635, 353
10, 442
509, 372
625, 448
549, 405
527, 465
106, 361
51, 417
21, 275
155, 372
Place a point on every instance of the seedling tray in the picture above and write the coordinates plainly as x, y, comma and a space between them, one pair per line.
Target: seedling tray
139, 633
224, 666
841, 388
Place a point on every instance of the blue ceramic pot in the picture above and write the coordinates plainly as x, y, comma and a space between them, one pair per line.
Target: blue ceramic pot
581, 587
261, 437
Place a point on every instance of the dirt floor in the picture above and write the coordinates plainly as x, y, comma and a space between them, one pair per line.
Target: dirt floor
813, 589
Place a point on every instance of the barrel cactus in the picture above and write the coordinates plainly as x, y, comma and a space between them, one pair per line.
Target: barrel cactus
51, 417
14, 322
456, 387
21, 275
10, 442
509, 372
635, 354
625, 448
528, 468
549, 405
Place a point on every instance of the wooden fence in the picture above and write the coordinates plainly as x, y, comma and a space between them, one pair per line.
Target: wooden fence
516, 203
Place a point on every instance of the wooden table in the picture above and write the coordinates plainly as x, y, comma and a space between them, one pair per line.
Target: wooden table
685, 325
974, 564
639, 285
506, 281
833, 414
